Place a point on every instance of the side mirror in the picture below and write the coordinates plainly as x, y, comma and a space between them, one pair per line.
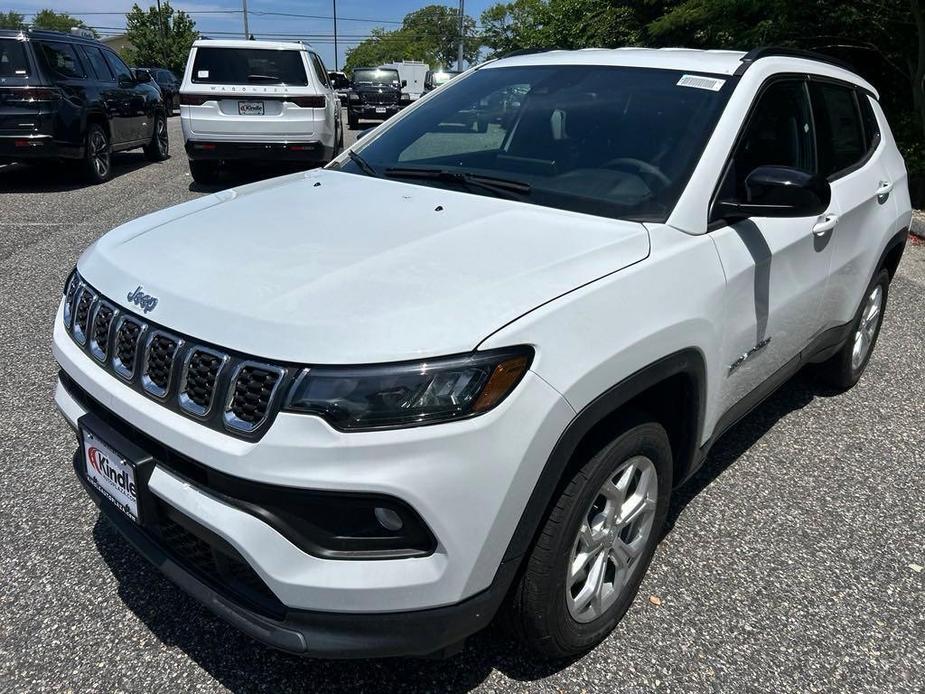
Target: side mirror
778, 191
404, 83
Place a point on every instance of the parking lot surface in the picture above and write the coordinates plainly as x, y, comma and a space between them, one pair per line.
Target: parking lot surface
793, 562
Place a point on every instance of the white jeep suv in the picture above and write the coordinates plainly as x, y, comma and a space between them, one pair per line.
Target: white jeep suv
365, 430
249, 101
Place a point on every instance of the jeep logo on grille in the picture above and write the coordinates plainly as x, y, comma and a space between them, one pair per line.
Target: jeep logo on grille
145, 301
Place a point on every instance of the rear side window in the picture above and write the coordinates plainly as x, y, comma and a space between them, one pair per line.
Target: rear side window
871, 128
13, 61
62, 59
99, 69
248, 66
841, 137
320, 71
119, 68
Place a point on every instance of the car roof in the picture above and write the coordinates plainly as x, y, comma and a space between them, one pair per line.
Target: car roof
48, 35
246, 43
719, 62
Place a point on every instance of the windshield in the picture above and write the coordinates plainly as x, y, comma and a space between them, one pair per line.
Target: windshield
14, 66
375, 76
248, 66
443, 77
612, 141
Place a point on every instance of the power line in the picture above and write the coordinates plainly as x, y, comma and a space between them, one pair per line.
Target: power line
250, 12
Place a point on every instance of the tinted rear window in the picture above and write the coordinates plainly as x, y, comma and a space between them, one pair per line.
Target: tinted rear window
14, 64
840, 135
248, 66
62, 59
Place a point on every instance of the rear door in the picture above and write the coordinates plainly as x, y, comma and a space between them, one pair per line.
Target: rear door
70, 78
247, 94
107, 92
851, 156
128, 104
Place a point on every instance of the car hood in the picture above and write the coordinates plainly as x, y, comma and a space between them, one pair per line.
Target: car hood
337, 268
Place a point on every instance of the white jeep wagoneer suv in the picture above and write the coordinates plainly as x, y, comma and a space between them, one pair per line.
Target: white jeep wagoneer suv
366, 430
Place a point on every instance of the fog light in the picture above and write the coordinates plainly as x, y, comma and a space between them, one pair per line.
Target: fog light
388, 519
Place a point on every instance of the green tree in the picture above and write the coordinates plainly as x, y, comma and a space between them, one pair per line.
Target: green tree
430, 34
11, 20
163, 41
57, 21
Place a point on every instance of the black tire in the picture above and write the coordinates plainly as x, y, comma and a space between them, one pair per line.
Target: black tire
842, 370
96, 165
353, 121
204, 172
538, 611
158, 149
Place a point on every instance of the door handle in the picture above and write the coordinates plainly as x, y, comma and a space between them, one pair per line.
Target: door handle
826, 225
884, 190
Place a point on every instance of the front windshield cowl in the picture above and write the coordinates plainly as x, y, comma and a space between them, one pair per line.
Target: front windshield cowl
604, 140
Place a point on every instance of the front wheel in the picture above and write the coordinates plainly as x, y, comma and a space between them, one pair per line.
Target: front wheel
844, 369
593, 551
158, 149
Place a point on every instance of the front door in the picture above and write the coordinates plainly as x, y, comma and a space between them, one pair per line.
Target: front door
776, 268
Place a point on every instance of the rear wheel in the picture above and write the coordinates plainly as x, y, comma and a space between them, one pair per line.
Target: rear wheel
159, 147
591, 555
204, 172
97, 161
845, 368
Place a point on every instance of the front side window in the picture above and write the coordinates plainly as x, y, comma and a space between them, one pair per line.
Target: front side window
841, 137
99, 68
612, 141
62, 59
249, 66
118, 67
779, 133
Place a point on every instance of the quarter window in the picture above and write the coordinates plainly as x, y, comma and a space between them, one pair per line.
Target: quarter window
871, 128
841, 137
779, 133
62, 59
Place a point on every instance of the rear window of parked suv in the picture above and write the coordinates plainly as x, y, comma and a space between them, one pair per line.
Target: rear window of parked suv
248, 66
13, 61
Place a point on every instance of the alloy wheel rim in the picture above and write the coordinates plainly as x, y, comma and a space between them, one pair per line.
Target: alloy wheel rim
162, 141
99, 153
611, 538
867, 328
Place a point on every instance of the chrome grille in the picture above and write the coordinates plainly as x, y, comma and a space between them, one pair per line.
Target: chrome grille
181, 373
200, 374
251, 394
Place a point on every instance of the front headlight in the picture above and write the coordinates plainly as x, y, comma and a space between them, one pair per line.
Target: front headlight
409, 393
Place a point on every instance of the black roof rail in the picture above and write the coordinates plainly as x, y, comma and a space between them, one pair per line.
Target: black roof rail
780, 51
527, 51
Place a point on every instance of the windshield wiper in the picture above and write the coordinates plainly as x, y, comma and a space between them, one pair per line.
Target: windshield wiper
493, 184
364, 165
262, 78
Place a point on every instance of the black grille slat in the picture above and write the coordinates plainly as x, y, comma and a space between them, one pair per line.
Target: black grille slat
201, 375
161, 353
82, 312
101, 326
253, 390
126, 345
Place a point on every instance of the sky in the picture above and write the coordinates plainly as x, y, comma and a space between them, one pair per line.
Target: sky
223, 18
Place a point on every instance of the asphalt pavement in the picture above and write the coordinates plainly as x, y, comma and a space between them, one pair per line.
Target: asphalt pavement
793, 564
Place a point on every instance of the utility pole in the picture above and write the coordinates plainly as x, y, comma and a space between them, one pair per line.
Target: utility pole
335, 35
160, 26
246, 32
462, 35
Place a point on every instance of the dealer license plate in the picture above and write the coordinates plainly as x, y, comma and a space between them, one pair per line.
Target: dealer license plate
110, 474
250, 108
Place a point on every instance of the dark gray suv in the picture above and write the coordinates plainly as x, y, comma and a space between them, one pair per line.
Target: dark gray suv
67, 97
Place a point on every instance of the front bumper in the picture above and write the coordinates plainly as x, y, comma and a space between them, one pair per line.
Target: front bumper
311, 151
468, 480
368, 111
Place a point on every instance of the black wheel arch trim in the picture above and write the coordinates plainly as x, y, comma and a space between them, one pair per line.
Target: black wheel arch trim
688, 362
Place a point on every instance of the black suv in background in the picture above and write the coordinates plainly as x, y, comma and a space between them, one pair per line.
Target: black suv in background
67, 97
375, 95
168, 83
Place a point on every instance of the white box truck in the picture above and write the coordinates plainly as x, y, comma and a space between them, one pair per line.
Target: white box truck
412, 74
